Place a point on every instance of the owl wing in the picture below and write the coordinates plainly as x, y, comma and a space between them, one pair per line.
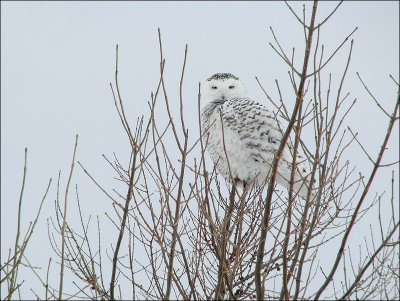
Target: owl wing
261, 133
257, 127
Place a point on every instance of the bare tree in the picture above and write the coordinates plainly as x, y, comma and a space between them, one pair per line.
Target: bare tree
184, 233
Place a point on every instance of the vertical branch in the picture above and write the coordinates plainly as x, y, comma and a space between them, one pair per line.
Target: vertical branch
121, 111
122, 227
266, 214
207, 208
176, 219
64, 224
15, 271
318, 136
136, 151
361, 200
183, 151
329, 139
285, 277
222, 269
47, 280
180, 91
162, 65
11, 275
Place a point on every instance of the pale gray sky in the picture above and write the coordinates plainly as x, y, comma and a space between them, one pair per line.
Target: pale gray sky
57, 60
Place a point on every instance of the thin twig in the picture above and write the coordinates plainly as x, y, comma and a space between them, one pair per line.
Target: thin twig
361, 200
15, 270
64, 224
373, 97
266, 214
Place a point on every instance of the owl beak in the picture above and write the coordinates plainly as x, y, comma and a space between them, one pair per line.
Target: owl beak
223, 97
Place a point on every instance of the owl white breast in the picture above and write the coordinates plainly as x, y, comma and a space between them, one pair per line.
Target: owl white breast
242, 136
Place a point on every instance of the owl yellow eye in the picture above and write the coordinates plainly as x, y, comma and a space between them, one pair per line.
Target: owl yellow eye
231, 87
214, 87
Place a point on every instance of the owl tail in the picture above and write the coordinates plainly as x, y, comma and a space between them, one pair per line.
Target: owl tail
300, 186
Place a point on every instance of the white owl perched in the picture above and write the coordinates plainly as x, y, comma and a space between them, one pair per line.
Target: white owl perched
250, 133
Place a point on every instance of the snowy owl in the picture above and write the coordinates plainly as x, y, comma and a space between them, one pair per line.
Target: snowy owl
242, 136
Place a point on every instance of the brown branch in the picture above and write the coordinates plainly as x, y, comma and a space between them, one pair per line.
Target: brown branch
64, 224
360, 274
136, 144
176, 219
14, 271
333, 54
180, 92
266, 214
373, 97
330, 15
360, 202
222, 269
297, 17
122, 228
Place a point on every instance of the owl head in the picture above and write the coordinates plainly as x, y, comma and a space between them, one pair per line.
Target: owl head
221, 86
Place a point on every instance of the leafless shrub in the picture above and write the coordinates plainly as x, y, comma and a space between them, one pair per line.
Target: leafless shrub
186, 234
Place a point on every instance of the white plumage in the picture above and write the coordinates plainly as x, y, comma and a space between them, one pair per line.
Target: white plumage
242, 136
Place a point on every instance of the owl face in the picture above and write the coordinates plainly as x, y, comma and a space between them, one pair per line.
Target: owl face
221, 86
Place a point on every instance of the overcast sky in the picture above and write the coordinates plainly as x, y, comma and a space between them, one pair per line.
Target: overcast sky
57, 60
